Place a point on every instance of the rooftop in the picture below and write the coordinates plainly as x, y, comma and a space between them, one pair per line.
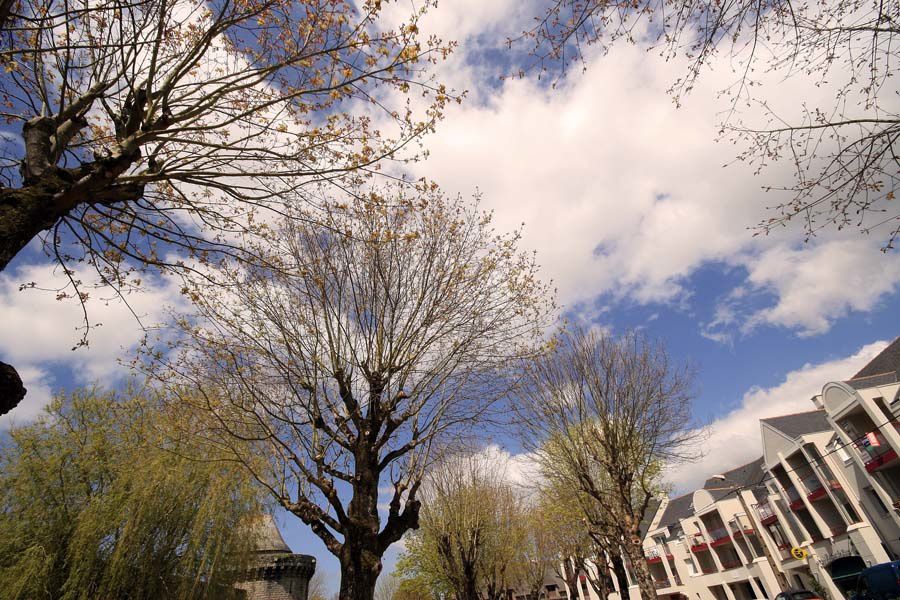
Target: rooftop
799, 424
886, 363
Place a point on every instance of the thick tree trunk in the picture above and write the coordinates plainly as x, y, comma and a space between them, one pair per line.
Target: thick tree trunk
24, 213
359, 572
11, 389
360, 555
635, 553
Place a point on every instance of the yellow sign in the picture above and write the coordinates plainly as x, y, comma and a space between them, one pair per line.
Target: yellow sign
799, 553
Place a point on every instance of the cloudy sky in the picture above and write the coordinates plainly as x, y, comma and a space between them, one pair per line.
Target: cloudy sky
633, 215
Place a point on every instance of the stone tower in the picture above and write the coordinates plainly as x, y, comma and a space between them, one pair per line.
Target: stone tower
275, 572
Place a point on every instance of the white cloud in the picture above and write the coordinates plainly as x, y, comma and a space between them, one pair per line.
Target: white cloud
38, 332
735, 438
624, 195
817, 284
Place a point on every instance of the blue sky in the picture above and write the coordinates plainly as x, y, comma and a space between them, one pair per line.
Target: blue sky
633, 216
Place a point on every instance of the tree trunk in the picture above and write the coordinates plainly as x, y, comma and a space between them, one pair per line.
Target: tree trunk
635, 551
11, 389
359, 572
618, 566
569, 574
360, 555
24, 213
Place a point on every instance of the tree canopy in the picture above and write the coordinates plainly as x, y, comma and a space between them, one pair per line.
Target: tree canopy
95, 502
379, 338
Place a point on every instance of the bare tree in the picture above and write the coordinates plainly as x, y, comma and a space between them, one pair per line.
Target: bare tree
317, 589
843, 154
566, 524
154, 132
607, 413
539, 554
472, 529
392, 330
387, 587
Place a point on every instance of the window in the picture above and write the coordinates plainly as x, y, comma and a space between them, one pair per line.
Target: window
877, 500
761, 587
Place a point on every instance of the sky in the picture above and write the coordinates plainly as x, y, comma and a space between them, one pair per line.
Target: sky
634, 216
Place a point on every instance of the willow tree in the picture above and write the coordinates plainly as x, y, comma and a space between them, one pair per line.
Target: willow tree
380, 336
95, 502
152, 133
609, 412
842, 152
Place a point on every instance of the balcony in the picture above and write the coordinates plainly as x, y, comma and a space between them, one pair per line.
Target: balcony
731, 564
698, 543
661, 583
814, 488
875, 451
654, 555
766, 514
793, 496
719, 536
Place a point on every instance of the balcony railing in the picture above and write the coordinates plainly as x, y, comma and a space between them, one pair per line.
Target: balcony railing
731, 564
698, 543
837, 530
796, 502
791, 493
662, 583
719, 536
812, 485
875, 451
766, 514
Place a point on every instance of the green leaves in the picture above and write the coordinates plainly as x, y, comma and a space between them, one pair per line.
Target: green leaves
95, 502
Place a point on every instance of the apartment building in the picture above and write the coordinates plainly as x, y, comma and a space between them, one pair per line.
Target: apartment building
864, 413
814, 504
820, 505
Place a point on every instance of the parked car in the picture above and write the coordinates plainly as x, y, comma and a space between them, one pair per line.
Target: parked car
881, 582
798, 594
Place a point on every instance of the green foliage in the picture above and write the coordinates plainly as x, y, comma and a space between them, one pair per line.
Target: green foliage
97, 502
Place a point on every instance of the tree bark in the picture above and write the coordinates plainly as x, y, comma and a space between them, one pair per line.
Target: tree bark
360, 568
618, 566
570, 576
635, 552
11, 389
361, 553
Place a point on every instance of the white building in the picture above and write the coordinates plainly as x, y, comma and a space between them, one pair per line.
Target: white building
821, 504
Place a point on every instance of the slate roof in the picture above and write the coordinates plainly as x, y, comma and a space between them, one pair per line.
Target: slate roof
677, 509
644, 526
887, 361
266, 537
746, 476
799, 424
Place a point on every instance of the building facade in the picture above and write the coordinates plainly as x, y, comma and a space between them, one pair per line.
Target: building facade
821, 503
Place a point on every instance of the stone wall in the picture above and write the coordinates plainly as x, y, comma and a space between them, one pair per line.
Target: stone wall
288, 588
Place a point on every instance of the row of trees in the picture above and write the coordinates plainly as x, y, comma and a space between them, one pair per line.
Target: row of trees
602, 416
